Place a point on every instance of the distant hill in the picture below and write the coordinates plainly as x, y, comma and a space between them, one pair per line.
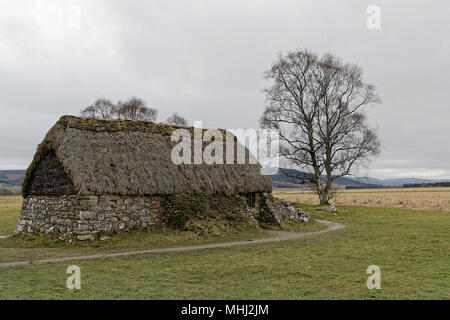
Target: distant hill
12, 177
283, 179
398, 182
427, 185
280, 180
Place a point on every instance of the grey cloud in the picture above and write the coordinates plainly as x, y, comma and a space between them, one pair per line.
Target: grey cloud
205, 60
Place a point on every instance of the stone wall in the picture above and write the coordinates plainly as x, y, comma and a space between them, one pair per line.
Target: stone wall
278, 211
69, 217
88, 217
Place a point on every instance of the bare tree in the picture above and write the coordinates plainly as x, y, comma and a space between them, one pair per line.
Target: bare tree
176, 120
132, 109
135, 109
102, 108
317, 104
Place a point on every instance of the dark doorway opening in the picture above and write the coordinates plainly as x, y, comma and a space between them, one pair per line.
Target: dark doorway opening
250, 199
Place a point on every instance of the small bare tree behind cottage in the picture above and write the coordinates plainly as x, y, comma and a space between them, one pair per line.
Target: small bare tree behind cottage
131, 109
176, 120
317, 103
136, 109
102, 108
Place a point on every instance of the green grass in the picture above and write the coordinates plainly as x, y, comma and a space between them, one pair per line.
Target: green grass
8, 220
21, 247
410, 246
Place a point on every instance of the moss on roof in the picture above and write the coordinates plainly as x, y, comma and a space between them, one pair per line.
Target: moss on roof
118, 125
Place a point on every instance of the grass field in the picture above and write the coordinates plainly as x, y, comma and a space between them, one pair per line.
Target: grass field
410, 246
411, 198
9, 213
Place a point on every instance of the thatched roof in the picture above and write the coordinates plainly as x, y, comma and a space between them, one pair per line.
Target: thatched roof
134, 158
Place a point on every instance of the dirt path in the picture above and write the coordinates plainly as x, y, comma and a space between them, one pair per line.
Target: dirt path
277, 237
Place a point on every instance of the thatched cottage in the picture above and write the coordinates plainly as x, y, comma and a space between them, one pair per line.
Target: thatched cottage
91, 177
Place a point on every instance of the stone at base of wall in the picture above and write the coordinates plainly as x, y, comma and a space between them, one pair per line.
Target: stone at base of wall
85, 237
88, 217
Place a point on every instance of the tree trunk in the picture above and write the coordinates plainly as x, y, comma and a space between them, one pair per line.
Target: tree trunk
323, 197
327, 189
321, 190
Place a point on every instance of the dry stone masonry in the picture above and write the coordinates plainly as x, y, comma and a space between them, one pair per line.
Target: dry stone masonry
91, 217
88, 217
278, 211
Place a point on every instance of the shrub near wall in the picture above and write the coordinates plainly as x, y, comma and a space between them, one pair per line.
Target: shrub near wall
202, 213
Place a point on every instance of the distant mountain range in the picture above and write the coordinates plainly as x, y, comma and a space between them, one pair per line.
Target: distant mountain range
11, 181
14, 178
396, 182
281, 180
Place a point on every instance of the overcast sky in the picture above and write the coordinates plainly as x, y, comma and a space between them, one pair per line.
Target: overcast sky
205, 60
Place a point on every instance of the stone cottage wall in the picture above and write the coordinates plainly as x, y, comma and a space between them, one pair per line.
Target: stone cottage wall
88, 217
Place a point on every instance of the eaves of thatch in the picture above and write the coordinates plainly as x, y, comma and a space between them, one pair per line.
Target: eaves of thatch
134, 158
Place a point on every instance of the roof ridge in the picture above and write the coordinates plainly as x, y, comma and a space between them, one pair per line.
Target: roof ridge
116, 125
